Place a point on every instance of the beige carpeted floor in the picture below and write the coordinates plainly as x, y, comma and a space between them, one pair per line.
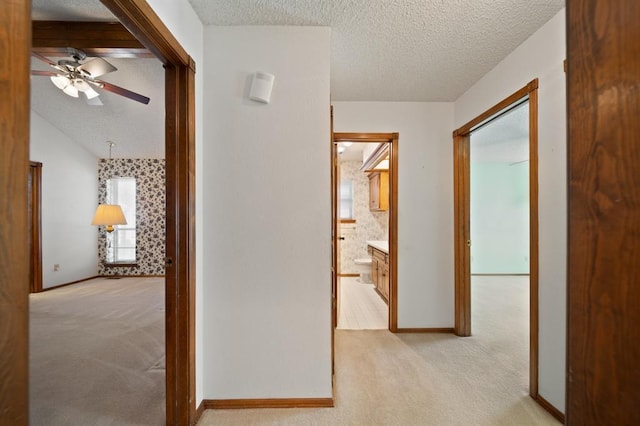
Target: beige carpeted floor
97, 354
97, 359
427, 379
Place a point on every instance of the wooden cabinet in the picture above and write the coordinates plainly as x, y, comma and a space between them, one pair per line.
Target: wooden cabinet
380, 272
379, 190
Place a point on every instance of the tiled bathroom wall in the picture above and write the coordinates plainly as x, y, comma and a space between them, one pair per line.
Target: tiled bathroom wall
368, 226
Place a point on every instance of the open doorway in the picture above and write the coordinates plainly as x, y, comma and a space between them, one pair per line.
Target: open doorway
150, 38
364, 192
496, 203
363, 231
499, 220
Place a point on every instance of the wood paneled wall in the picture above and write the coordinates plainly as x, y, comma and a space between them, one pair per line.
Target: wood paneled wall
603, 342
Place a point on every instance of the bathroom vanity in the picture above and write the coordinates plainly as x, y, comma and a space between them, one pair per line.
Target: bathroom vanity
379, 251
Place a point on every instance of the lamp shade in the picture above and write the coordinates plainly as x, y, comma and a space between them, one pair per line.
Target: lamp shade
109, 215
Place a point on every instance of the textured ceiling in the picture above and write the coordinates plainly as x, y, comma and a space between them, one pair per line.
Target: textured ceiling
70, 10
382, 50
399, 50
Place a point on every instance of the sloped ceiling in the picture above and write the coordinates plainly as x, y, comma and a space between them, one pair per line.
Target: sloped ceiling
137, 129
382, 50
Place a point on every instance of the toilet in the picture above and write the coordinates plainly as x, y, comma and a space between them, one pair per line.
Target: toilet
363, 267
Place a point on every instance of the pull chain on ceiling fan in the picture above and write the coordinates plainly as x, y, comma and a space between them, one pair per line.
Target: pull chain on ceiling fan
73, 77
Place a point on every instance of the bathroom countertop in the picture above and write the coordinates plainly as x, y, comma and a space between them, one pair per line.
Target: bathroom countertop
380, 245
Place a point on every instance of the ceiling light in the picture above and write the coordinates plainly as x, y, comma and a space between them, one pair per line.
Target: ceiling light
60, 81
347, 144
91, 93
71, 91
109, 215
81, 85
341, 149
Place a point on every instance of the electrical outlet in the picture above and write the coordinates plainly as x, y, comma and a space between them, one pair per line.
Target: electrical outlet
56, 267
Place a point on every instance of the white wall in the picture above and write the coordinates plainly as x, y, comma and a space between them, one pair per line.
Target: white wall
184, 24
541, 56
69, 200
267, 294
499, 216
425, 200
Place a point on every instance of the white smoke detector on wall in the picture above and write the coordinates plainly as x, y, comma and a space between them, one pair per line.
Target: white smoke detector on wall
261, 87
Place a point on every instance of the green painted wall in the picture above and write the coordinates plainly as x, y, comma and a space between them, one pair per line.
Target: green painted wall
499, 218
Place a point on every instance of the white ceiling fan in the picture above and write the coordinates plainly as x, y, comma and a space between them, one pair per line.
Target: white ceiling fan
73, 77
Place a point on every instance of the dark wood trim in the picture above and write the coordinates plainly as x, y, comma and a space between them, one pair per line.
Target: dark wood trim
15, 39
426, 330
462, 232
34, 193
393, 232
391, 140
462, 255
51, 38
349, 275
223, 404
199, 412
335, 248
550, 408
70, 283
499, 275
534, 254
140, 19
362, 137
603, 292
497, 108
130, 276
180, 236
119, 265
147, 27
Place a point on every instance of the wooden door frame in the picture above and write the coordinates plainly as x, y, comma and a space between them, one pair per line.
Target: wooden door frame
392, 140
140, 19
15, 39
462, 219
35, 225
114, 40
603, 296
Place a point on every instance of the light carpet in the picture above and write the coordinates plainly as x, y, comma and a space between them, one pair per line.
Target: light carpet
97, 354
427, 379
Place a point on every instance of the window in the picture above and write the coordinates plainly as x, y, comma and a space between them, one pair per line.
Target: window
346, 199
121, 245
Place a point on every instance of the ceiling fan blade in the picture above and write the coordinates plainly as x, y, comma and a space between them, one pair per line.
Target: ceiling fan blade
123, 92
44, 59
96, 67
44, 73
94, 101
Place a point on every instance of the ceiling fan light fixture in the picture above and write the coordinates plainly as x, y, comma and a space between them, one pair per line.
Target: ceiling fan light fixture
60, 81
71, 91
81, 85
91, 93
